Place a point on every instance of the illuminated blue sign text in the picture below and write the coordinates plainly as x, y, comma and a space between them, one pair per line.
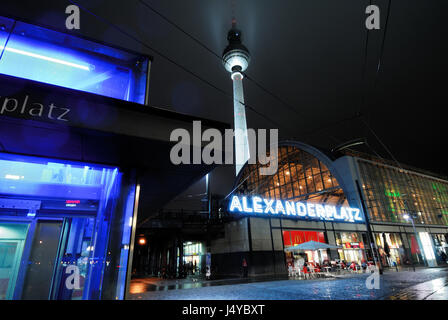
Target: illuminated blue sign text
299, 210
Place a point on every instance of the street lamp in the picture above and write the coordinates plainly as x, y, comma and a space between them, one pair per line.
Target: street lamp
369, 232
349, 144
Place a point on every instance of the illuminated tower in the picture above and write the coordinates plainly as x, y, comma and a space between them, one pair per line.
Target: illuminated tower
236, 60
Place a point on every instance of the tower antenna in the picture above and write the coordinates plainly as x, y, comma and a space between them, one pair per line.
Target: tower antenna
233, 5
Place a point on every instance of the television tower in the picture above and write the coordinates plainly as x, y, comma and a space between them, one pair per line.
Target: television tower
236, 60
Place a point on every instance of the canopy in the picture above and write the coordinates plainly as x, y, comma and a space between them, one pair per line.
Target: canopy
311, 245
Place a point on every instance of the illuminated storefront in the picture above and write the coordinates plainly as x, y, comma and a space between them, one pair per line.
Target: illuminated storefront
193, 256
295, 237
353, 246
309, 192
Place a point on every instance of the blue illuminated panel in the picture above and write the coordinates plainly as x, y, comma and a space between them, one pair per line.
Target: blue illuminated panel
43, 55
97, 204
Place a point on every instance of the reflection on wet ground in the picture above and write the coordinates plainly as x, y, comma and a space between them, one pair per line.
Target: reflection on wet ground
140, 285
425, 283
436, 289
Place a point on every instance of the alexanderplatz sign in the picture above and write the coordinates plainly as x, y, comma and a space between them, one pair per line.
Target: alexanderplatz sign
295, 210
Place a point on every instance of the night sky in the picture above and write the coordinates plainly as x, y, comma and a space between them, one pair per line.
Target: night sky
311, 55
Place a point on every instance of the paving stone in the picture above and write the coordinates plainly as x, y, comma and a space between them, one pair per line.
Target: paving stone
403, 285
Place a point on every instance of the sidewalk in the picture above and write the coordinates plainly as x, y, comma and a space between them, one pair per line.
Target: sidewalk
436, 289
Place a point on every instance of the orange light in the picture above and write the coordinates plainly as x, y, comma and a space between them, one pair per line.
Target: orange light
142, 241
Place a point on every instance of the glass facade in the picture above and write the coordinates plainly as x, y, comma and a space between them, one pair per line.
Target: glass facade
392, 192
43, 55
64, 229
300, 176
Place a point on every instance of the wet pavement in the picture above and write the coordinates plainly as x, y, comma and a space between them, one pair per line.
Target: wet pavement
425, 283
436, 289
141, 285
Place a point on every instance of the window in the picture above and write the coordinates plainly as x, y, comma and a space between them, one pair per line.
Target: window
52, 57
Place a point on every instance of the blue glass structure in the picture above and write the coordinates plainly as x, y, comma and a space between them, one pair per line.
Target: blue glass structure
76, 147
57, 219
35, 53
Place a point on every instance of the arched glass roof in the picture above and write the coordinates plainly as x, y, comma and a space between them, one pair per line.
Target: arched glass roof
300, 177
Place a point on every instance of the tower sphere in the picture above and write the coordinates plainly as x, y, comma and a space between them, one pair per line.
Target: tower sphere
235, 57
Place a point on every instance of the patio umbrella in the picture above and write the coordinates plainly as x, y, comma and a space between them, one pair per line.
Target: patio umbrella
311, 245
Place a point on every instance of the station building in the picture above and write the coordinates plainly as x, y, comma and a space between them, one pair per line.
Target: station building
320, 180
82, 157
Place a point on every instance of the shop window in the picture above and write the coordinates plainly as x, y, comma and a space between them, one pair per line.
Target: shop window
295, 237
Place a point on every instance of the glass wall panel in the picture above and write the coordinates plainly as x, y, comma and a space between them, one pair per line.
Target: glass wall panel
80, 218
391, 193
47, 56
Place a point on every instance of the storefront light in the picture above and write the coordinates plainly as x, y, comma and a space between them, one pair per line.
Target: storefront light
427, 246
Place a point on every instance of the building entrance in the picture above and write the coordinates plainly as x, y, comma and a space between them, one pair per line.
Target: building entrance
192, 258
55, 229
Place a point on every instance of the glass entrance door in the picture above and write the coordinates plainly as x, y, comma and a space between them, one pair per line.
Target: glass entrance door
42, 260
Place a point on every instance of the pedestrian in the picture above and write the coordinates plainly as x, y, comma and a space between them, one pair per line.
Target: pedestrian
290, 269
443, 256
244, 268
364, 265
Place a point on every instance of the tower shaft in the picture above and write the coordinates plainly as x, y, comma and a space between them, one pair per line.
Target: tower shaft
236, 59
240, 125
